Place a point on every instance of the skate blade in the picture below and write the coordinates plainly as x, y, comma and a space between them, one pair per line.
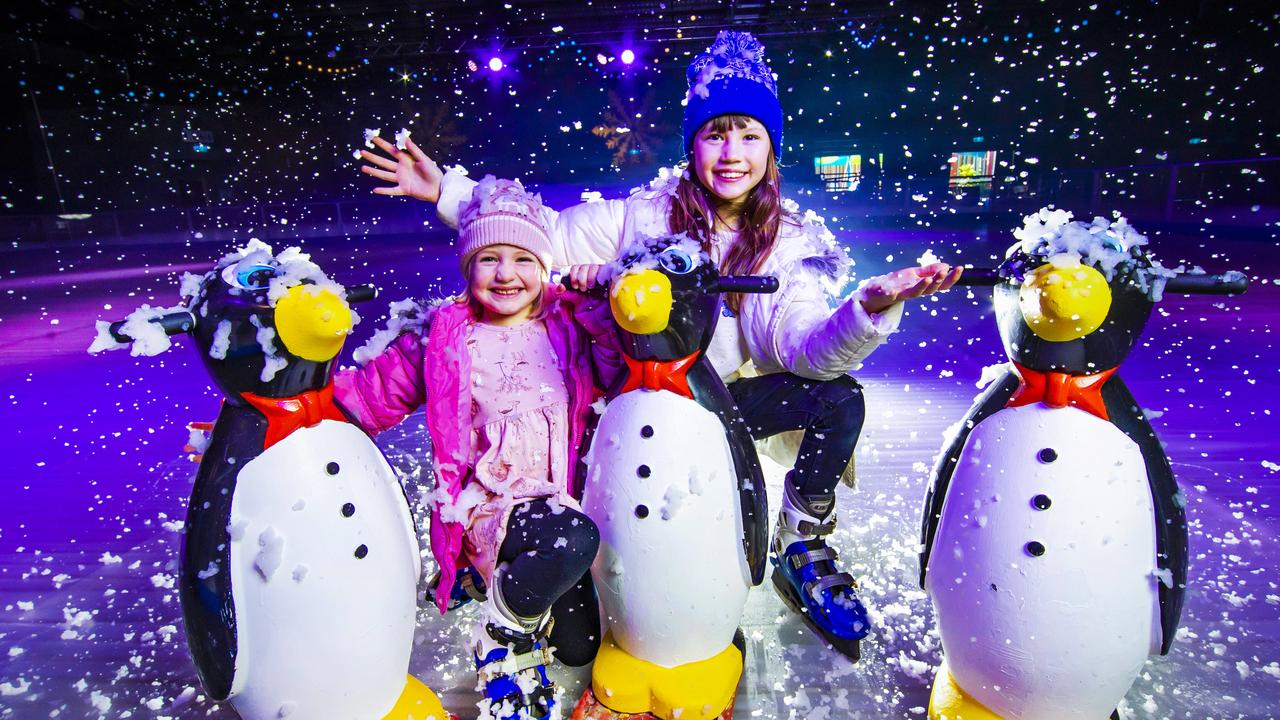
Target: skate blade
851, 649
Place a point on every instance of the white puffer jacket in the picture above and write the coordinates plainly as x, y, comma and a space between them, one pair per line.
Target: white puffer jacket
792, 330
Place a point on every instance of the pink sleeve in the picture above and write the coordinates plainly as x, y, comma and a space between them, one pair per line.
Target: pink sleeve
593, 315
388, 388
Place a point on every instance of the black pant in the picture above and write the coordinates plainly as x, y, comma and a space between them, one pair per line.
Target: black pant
548, 553
830, 413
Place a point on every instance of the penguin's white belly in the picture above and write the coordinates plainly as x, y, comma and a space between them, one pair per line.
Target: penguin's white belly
1063, 634
323, 579
671, 572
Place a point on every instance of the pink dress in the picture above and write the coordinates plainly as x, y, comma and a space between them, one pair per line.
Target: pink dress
520, 417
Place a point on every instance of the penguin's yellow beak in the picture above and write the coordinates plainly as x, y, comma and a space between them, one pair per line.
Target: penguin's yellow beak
641, 302
1064, 303
312, 323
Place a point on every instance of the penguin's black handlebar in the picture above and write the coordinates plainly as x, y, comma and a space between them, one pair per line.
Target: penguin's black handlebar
724, 284
174, 323
183, 321
1227, 283
361, 293
980, 277
761, 284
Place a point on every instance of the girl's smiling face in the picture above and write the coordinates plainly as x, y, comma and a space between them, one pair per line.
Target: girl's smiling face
506, 281
732, 161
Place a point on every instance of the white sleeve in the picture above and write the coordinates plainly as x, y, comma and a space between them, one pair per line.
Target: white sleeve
795, 329
455, 192
586, 233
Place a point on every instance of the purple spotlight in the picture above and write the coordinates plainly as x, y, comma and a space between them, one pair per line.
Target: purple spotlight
628, 57
495, 64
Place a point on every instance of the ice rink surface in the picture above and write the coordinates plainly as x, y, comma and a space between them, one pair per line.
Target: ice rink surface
95, 486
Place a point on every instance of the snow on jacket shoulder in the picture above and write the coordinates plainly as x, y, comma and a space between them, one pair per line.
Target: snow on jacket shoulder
793, 330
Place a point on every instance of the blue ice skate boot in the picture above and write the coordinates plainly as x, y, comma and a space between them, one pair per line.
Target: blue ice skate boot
467, 587
806, 577
512, 654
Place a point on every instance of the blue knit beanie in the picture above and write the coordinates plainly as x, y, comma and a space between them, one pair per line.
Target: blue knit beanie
732, 78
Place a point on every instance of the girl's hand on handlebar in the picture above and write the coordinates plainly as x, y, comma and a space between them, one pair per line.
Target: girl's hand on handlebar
583, 277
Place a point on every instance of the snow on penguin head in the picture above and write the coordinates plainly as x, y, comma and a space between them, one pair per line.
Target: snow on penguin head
1076, 295
662, 292
271, 324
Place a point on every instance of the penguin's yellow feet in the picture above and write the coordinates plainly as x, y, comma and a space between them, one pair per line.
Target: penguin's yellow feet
417, 702
949, 701
695, 691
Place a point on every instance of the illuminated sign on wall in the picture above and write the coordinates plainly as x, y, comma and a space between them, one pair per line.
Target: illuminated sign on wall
839, 173
972, 168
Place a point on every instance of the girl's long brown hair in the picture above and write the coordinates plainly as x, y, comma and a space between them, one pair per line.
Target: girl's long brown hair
693, 212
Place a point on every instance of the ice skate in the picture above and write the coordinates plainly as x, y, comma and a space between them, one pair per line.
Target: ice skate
806, 576
512, 654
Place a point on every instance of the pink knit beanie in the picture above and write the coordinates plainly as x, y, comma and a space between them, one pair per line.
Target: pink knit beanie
502, 212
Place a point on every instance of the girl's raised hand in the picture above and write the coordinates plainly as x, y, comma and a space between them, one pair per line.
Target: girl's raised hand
407, 172
881, 292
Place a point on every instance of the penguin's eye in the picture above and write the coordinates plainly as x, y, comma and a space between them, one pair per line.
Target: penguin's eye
250, 277
675, 261
1113, 244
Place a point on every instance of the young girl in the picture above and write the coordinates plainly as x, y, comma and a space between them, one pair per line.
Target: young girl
729, 199
507, 381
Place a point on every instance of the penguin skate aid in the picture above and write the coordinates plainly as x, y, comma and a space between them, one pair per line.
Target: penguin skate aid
727, 199
300, 560
670, 455
1084, 524
507, 377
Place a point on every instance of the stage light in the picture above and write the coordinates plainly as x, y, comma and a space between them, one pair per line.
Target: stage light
495, 64
600, 58
628, 57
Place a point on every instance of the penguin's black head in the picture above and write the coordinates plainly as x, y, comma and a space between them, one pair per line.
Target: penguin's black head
665, 296
1075, 297
268, 324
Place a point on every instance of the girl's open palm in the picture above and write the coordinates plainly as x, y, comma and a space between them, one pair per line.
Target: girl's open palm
881, 292
407, 172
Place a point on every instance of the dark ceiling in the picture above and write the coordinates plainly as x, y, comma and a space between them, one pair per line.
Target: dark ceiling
430, 31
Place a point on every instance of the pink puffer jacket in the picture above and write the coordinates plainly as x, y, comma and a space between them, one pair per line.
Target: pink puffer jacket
410, 373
